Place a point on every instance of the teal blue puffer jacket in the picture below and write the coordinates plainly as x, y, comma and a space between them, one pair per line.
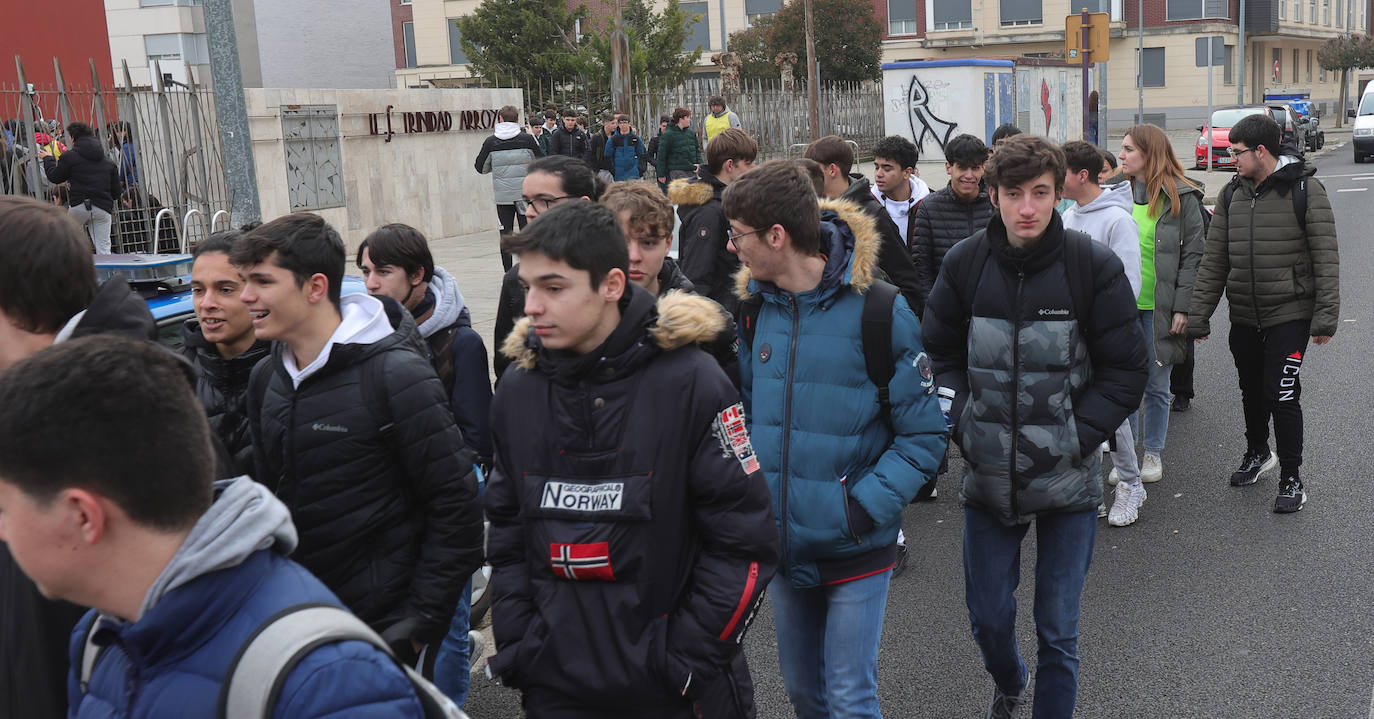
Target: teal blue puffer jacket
805, 372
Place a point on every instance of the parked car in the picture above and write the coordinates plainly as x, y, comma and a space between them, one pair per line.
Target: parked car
1293, 126
1219, 128
1362, 138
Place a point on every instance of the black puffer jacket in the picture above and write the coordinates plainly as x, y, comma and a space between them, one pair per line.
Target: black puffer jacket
222, 387
1032, 368
706, 259
662, 486
893, 259
386, 507
92, 175
573, 144
941, 220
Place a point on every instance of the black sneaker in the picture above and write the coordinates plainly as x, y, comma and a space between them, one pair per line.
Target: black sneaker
1291, 496
1252, 465
900, 566
1182, 404
1003, 705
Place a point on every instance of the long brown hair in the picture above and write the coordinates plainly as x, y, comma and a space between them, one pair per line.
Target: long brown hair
1162, 170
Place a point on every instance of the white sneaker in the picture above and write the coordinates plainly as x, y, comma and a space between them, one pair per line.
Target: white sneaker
1152, 469
1113, 477
1126, 504
1102, 511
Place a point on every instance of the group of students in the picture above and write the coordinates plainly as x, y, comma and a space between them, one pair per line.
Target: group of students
656, 457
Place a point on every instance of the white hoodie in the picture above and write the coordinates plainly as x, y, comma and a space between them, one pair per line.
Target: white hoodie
364, 322
448, 303
900, 210
1108, 220
507, 130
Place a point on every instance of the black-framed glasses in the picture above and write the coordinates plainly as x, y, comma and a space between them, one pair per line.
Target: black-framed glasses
542, 204
1233, 152
734, 237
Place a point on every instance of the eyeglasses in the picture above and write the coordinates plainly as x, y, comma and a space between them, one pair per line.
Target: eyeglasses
1233, 152
734, 237
541, 204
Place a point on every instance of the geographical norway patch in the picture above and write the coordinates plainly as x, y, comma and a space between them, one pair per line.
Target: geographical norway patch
582, 562
605, 497
734, 437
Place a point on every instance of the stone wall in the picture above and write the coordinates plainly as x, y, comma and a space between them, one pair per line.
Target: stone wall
422, 178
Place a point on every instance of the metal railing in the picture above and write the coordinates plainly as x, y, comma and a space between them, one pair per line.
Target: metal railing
163, 139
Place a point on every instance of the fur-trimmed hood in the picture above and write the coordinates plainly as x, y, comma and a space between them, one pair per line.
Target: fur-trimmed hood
675, 320
697, 190
840, 221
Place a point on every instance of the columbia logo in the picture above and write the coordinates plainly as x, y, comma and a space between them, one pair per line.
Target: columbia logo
1044, 313
321, 427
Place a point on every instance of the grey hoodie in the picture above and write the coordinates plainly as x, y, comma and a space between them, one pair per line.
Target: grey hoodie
1108, 220
448, 303
245, 518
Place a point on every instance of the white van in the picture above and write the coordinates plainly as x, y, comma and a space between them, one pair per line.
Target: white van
1363, 136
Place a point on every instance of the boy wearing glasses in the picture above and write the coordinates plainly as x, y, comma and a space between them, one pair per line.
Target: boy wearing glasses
840, 464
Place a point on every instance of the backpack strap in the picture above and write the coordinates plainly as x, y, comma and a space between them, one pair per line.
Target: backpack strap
376, 396
1299, 193
972, 272
876, 330
90, 654
749, 317
1078, 268
258, 672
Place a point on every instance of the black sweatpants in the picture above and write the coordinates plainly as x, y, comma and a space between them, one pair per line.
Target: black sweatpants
1268, 362
507, 215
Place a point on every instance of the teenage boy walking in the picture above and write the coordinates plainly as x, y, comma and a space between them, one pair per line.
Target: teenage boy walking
631, 536
706, 260
352, 431
1281, 275
1104, 214
1034, 329
505, 155
842, 458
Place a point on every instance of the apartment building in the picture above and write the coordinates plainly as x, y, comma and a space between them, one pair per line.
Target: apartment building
299, 44
1282, 37
429, 53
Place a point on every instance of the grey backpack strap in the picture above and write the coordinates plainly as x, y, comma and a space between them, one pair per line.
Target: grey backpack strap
255, 678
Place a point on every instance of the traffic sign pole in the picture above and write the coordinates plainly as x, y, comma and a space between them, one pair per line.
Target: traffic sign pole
1086, 60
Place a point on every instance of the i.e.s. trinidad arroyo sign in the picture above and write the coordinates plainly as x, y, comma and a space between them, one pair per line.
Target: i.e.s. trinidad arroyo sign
411, 123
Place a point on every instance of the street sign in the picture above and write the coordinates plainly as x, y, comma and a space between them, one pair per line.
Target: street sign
1098, 37
1218, 51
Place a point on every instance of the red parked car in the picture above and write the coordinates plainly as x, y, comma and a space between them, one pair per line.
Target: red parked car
1220, 128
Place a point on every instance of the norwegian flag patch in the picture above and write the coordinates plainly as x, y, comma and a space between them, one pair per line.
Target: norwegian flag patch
582, 562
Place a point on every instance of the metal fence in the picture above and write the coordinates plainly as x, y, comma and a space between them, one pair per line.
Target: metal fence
163, 138
775, 117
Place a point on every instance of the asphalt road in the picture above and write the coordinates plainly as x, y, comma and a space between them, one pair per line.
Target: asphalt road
1210, 605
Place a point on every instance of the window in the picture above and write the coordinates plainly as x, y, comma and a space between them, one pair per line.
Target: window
700, 36
1283, 10
1196, 9
405, 2
901, 17
1021, 12
1340, 16
1312, 13
577, 30
1297, 10
1326, 12
1228, 67
177, 47
764, 7
1152, 67
310, 136
456, 56
952, 15
1309, 66
1295, 67
408, 37
752, 20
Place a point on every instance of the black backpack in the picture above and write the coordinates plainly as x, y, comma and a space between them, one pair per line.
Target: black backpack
875, 329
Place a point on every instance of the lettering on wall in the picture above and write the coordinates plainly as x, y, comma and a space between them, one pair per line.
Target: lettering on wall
389, 123
924, 123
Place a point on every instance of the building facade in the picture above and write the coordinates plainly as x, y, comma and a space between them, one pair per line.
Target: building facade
1160, 70
301, 44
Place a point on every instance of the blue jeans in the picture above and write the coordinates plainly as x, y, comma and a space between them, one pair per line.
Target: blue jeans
1155, 405
992, 569
828, 645
452, 671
